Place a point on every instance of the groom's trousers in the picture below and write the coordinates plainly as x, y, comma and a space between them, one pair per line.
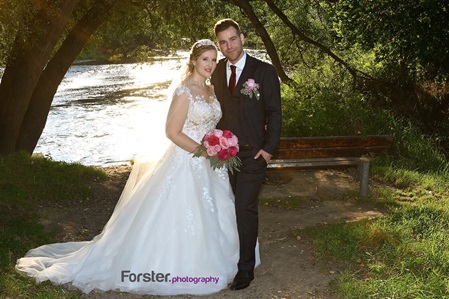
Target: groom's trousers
246, 185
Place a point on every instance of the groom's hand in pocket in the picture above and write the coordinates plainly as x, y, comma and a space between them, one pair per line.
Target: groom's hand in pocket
267, 157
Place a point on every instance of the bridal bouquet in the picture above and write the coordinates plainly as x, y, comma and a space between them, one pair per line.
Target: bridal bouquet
221, 148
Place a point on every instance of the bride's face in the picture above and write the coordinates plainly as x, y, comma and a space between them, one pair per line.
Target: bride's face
206, 63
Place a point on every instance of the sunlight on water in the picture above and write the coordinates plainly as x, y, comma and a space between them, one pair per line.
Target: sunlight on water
106, 114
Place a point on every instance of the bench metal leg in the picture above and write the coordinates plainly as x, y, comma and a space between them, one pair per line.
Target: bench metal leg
364, 175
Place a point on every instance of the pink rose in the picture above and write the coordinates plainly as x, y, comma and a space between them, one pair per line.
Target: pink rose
217, 148
211, 152
251, 84
218, 133
224, 142
233, 141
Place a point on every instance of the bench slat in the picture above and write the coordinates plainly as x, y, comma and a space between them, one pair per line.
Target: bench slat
305, 163
302, 153
337, 141
329, 147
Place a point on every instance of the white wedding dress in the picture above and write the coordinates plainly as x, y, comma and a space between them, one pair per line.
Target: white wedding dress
173, 230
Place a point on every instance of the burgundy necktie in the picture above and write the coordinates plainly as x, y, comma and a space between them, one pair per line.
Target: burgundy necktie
232, 79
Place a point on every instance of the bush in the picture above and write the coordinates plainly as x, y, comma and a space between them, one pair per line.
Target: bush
323, 102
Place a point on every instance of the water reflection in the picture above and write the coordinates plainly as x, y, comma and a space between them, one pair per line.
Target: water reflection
104, 114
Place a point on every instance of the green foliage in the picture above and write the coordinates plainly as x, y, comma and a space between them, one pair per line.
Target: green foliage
401, 255
413, 149
328, 240
139, 30
18, 234
19, 231
324, 103
311, 18
410, 38
411, 180
12, 14
25, 180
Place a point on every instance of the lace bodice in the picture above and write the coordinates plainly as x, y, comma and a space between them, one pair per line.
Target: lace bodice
203, 115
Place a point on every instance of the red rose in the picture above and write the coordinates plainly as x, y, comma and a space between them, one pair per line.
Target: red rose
223, 155
233, 151
213, 140
227, 133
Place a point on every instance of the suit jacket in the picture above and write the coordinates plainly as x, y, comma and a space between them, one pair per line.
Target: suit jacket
255, 122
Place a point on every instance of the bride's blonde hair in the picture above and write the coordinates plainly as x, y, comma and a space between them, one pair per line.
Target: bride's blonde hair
197, 49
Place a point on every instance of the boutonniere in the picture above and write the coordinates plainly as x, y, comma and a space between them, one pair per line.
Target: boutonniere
251, 88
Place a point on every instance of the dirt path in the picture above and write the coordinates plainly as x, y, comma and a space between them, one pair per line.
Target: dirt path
296, 199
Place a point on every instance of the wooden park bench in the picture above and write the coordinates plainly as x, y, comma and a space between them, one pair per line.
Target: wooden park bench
331, 152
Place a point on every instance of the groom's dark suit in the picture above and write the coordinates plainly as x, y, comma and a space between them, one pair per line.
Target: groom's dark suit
257, 124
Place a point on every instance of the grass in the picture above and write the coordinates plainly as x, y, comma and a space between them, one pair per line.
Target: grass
404, 254
18, 234
24, 179
24, 182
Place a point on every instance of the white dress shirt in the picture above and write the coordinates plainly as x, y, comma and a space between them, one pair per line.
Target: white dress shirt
238, 70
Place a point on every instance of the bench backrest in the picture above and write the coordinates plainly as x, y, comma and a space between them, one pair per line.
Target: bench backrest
332, 147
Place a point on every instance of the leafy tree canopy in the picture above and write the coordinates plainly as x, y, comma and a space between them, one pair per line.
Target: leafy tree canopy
409, 36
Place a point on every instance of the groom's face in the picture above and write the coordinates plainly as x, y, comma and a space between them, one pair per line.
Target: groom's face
231, 44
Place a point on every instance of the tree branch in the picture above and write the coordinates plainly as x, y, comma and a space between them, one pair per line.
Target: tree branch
247, 9
307, 39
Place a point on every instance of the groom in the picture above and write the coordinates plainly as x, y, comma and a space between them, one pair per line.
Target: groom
249, 93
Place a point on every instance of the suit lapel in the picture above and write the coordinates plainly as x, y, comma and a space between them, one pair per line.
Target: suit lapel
222, 79
247, 70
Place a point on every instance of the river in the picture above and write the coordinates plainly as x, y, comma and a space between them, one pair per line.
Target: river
107, 114
101, 114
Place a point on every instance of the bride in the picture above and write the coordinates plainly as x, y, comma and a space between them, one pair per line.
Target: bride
173, 230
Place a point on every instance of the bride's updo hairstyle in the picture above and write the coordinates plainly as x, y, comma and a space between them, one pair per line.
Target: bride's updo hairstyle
199, 48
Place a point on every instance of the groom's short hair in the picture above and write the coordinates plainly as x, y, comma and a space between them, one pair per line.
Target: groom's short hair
225, 24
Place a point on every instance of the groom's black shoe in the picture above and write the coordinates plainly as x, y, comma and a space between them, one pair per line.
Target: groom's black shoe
242, 280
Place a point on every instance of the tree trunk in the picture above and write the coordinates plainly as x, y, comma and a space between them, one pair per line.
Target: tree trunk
36, 115
32, 48
266, 39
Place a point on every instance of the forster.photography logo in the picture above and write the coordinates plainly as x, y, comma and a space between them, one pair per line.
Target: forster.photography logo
129, 276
